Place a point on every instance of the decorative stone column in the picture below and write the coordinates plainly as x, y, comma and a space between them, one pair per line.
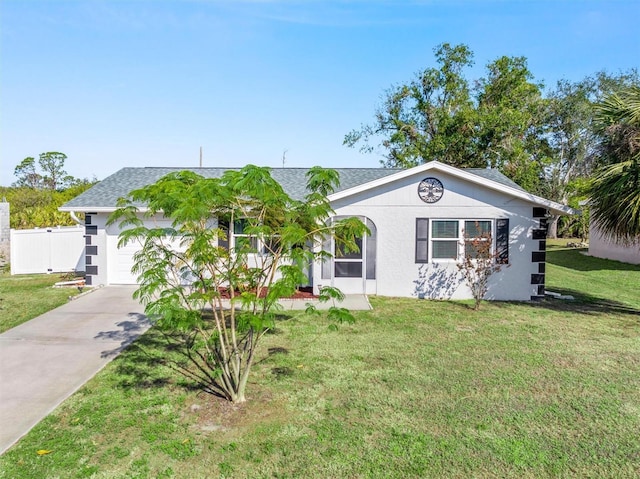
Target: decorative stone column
5, 233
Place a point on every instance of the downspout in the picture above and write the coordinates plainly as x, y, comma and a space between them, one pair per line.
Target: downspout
75, 218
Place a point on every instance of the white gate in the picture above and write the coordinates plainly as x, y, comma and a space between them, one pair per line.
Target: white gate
47, 250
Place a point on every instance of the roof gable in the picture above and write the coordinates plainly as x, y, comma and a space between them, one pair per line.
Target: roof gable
486, 178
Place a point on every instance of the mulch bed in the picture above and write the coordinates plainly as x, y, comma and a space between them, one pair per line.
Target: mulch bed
305, 292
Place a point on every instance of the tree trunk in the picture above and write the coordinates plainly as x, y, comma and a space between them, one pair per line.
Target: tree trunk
552, 227
238, 397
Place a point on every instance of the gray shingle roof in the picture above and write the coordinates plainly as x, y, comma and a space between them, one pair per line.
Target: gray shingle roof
494, 175
106, 193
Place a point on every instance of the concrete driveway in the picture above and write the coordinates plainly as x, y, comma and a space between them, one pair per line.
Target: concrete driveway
45, 360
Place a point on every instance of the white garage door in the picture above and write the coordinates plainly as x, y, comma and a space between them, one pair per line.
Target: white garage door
120, 260
122, 263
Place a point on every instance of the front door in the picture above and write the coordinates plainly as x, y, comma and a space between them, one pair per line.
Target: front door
355, 272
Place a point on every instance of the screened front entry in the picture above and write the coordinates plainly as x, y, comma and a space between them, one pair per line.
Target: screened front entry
353, 272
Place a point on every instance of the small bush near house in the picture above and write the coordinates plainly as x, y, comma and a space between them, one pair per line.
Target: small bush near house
479, 262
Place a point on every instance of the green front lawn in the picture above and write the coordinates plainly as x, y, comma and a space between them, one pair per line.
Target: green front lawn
412, 389
592, 280
23, 297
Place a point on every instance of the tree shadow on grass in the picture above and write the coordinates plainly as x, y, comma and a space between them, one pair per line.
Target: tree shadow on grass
142, 365
576, 259
581, 304
584, 303
158, 359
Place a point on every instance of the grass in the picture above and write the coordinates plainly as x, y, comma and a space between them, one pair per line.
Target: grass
412, 389
590, 279
23, 297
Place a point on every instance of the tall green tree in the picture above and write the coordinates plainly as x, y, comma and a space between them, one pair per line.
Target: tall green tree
41, 188
615, 189
574, 139
431, 117
187, 269
511, 130
27, 174
439, 115
52, 175
548, 144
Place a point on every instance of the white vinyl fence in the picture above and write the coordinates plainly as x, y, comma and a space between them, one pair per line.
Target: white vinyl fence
47, 250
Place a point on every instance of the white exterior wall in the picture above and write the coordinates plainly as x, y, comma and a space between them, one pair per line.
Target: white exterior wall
394, 209
601, 247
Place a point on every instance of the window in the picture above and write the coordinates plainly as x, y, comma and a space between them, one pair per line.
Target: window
452, 239
370, 249
223, 239
353, 264
270, 244
445, 236
238, 234
348, 264
342, 253
344, 269
474, 232
240, 237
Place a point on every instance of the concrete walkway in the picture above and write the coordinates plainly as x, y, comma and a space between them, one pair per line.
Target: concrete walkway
45, 360
353, 302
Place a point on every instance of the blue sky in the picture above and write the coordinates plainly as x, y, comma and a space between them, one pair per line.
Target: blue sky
147, 83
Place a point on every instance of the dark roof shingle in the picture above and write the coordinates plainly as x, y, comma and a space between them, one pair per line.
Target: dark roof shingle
106, 193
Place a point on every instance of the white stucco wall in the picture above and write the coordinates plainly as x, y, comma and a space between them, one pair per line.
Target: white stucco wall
601, 247
394, 209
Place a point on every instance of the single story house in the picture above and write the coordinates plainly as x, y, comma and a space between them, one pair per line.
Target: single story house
416, 216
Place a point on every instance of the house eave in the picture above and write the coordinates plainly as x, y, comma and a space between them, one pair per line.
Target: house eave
94, 209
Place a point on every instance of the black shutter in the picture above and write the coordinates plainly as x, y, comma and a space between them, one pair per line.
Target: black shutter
502, 240
223, 242
327, 263
371, 248
422, 240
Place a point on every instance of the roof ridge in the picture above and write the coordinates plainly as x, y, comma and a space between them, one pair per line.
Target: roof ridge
266, 166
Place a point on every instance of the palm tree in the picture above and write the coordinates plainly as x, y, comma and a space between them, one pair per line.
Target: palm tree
615, 188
